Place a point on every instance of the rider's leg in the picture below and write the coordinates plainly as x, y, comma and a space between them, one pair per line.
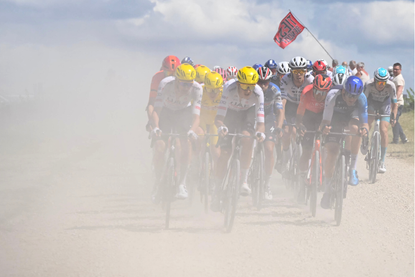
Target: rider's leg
384, 125
354, 144
246, 155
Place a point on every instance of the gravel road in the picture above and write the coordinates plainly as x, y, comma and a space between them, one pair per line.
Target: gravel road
74, 201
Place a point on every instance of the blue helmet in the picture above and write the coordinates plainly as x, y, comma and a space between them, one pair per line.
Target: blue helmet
188, 60
257, 65
271, 64
340, 69
381, 74
353, 86
309, 65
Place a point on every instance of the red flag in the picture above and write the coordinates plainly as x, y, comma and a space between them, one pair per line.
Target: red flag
288, 31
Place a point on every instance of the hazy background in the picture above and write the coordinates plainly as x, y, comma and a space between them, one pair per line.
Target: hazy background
67, 50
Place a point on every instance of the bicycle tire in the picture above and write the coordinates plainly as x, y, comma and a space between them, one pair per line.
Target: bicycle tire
170, 186
261, 183
339, 189
232, 194
205, 189
253, 177
374, 157
315, 180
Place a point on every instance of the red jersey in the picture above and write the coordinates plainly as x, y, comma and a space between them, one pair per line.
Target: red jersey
155, 81
308, 102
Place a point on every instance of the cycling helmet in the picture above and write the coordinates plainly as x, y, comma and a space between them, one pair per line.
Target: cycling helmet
170, 63
319, 66
213, 80
264, 73
283, 68
222, 73
353, 86
257, 65
381, 74
185, 72
216, 67
197, 65
339, 79
271, 64
298, 63
340, 69
390, 70
309, 65
188, 60
231, 72
248, 75
201, 71
324, 61
322, 82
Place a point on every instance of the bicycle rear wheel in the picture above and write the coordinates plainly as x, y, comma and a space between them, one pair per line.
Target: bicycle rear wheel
257, 179
339, 189
232, 195
374, 159
206, 183
168, 191
315, 180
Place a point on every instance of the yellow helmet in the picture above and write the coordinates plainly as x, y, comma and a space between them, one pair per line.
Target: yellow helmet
185, 72
201, 72
213, 80
248, 75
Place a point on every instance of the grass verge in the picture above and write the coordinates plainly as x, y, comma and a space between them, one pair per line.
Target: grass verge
400, 150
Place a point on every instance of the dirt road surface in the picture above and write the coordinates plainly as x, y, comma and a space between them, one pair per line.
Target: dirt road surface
75, 201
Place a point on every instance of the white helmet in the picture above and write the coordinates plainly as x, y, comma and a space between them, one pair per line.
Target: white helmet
231, 72
324, 61
283, 68
339, 79
216, 67
298, 63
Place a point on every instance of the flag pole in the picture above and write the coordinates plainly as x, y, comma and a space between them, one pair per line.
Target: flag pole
312, 35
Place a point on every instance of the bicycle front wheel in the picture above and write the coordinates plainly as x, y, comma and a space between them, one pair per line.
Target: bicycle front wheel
206, 183
315, 180
374, 158
339, 189
232, 195
168, 191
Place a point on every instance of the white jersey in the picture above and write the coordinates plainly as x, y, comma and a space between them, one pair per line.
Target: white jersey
231, 100
372, 93
175, 100
290, 91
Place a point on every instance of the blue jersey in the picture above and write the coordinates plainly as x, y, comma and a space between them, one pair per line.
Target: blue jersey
272, 99
336, 103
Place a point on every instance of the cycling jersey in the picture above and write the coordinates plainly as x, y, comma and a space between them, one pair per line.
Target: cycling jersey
380, 96
275, 79
272, 99
290, 91
155, 81
308, 102
175, 100
335, 103
231, 100
209, 107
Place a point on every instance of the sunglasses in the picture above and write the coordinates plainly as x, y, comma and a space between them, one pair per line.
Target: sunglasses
381, 83
298, 71
319, 92
246, 87
352, 96
263, 83
213, 90
185, 84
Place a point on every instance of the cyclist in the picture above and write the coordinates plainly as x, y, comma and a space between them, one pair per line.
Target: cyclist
309, 65
212, 93
256, 66
271, 64
309, 116
283, 68
231, 72
241, 104
339, 69
339, 79
319, 67
188, 60
328, 72
222, 73
345, 106
273, 121
201, 72
381, 96
177, 109
168, 66
292, 85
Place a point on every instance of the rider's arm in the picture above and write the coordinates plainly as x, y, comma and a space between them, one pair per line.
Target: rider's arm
301, 110
259, 107
394, 100
362, 109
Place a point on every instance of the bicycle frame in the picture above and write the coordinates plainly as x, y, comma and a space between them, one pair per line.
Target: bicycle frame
374, 154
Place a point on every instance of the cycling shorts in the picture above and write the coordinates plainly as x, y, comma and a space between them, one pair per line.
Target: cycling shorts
209, 129
176, 121
238, 121
312, 122
290, 112
383, 107
270, 127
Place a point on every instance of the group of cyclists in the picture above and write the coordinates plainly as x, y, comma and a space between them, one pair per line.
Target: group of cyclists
269, 103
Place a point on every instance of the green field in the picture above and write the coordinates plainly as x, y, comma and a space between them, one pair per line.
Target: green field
403, 151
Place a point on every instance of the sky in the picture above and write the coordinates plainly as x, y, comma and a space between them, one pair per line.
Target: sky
72, 48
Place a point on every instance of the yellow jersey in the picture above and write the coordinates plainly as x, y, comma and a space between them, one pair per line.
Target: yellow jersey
209, 108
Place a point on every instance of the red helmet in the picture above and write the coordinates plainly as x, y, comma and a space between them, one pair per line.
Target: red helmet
222, 73
196, 66
319, 66
170, 63
322, 82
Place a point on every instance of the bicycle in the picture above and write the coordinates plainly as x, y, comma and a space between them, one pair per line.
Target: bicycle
256, 175
374, 154
291, 175
338, 187
206, 169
